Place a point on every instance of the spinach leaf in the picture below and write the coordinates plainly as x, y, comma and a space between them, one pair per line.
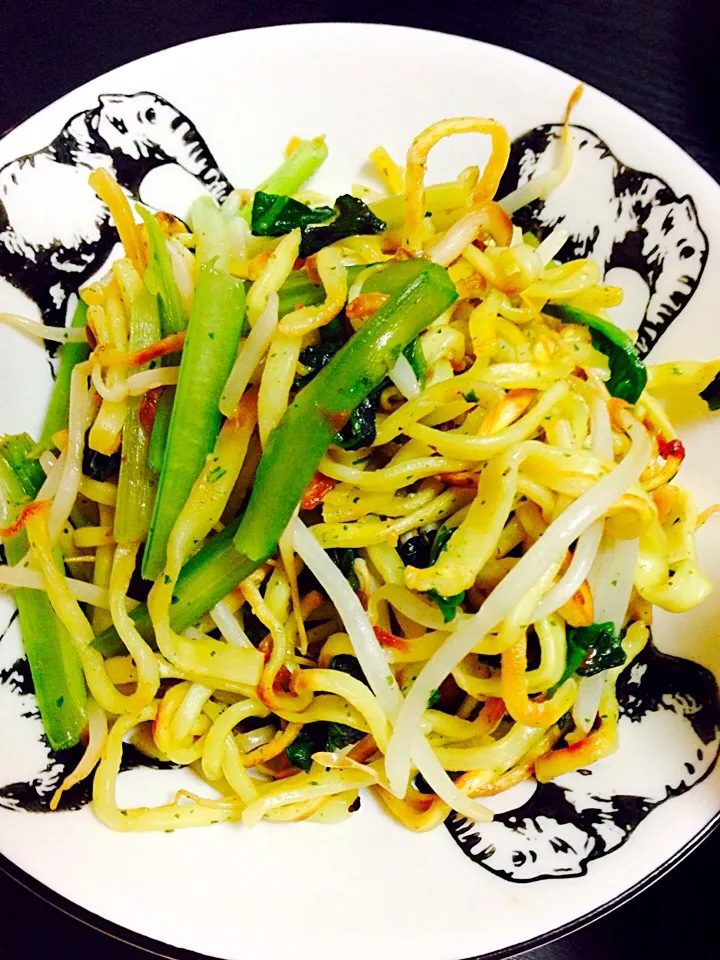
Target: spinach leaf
339, 736
99, 466
628, 375
354, 218
317, 355
711, 393
433, 698
310, 740
591, 649
359, 431
274, 215
299, 752
440, 542
344, 558
604, 650
448, 605
346, 663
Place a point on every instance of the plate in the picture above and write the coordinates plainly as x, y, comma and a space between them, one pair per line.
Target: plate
217, 112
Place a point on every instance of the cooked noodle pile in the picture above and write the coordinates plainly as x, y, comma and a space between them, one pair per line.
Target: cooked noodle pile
473, 563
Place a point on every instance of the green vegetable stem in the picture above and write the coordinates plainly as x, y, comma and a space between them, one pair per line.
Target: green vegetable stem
160, 281
213, 334
137, 482
325, 404
70, 354
420, 292
54, 664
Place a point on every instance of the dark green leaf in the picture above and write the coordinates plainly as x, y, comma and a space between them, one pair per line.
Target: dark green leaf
300, 752
628, 375
359, 431
314, 359
340, 736
604, 652
448, 605
344, 558
274, 215
316, 356
354, 218
440, 543
711, 393
591, 649
433, 698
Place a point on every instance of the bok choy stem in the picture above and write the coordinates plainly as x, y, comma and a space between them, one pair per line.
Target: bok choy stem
213, 335
137, 482
70, 354
160, 280
54, 664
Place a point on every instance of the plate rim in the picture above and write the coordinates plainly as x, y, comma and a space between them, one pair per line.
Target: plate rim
166, 951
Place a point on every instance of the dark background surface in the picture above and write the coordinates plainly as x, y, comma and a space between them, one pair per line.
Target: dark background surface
659, 57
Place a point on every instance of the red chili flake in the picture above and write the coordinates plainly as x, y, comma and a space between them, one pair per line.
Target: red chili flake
148, 409
170, 344
670, 448
389, 639
282, 680
316, 491
460, 479
336, 419
29, 510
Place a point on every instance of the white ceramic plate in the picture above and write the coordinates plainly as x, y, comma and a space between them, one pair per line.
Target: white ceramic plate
555, 856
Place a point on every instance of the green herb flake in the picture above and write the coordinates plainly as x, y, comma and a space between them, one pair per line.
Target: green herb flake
447, 605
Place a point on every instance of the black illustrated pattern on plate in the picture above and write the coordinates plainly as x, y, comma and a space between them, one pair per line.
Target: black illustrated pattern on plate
618, 216
669, 733
49, 256
30, 771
